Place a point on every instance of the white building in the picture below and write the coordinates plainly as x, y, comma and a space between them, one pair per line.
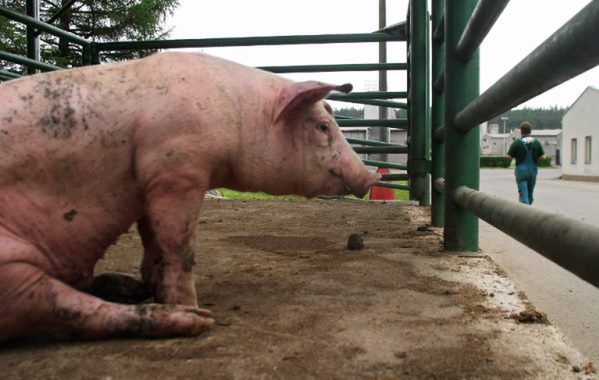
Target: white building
396, 136
493, 143
581, 137
551, 139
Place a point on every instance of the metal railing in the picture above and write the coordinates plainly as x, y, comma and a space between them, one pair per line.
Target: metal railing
457, 30
458, 109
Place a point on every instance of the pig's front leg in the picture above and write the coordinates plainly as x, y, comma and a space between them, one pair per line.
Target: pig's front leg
168, 235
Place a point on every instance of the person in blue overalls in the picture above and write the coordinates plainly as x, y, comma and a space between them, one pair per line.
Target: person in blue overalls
527, 151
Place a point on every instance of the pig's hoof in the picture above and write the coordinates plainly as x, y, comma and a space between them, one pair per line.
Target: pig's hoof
171, 320
120, 288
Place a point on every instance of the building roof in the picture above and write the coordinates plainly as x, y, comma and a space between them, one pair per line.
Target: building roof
496, 135
545, 132
589, 88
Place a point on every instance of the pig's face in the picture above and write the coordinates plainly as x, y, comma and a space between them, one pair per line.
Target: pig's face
323, 161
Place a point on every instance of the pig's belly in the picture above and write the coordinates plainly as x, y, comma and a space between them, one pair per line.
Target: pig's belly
67, 234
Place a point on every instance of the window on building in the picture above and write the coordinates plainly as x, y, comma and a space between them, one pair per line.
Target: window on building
573, 151
587, 150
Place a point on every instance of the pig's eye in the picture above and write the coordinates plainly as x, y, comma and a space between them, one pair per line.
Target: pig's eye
323, 127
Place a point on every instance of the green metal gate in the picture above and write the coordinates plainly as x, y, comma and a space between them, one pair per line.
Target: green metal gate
444, 110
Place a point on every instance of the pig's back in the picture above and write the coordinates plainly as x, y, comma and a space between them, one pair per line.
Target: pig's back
66, 166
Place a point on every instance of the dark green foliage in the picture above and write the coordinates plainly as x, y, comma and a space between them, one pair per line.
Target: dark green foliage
541, 118
546, 163
95, 20
494, 162
357, 113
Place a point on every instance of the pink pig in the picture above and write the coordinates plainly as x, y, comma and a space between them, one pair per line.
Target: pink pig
85, 153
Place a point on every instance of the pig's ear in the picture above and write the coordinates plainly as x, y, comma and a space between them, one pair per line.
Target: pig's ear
298, 95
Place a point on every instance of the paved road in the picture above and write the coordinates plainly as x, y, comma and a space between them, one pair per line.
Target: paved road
571, 304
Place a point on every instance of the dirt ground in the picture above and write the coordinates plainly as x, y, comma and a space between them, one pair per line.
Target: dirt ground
292, 302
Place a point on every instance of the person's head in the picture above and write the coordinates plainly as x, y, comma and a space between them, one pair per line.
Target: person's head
525, 128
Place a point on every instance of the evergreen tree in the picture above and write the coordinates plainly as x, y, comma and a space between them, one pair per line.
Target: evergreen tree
541, 118
95, 20
354, 112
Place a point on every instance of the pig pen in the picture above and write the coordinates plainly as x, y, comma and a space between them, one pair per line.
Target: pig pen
292, 302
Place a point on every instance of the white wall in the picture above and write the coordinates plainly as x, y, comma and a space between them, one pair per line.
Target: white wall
580, 121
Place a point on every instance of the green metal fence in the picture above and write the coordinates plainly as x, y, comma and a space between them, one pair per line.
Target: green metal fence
443, 139
571, 50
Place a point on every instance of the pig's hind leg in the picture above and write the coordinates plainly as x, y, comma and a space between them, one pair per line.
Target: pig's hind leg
31, 301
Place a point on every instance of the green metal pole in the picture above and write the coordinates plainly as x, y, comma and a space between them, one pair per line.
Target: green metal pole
438, 112
461, 148
95, 53
86, 57
418, 97
428, 128
570, 243
368, 142
334, 68
381, 103
33, 42
385, 164
26, 61
395, 123
250, 41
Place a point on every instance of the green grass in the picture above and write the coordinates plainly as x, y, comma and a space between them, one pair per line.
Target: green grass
241, 195
232, 194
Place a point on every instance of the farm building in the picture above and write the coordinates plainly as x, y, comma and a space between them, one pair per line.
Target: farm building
493, 143
396, 136
551, 139
581, 137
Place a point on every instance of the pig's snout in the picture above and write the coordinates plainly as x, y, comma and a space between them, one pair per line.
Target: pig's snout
361, 187
358, 183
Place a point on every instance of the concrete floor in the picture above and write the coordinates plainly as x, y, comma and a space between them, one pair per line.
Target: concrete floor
292, 302
571, 304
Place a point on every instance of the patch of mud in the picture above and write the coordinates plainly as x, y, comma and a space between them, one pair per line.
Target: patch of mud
530, 315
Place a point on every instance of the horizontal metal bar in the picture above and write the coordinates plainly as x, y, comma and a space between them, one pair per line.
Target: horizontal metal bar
342, 117
439, 134
330, 68
484, 16
370, 95
380, 103
62, 10
439, 185
250, 41
392, 185
16, 16
570, 243
570, 51
382, 164
27, 61
439, 83
369, 142
396, 123
439, 33
399, 28
9, 74
398, 149
395, 177
6, 77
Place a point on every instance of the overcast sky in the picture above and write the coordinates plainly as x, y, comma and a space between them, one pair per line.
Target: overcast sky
522, 26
